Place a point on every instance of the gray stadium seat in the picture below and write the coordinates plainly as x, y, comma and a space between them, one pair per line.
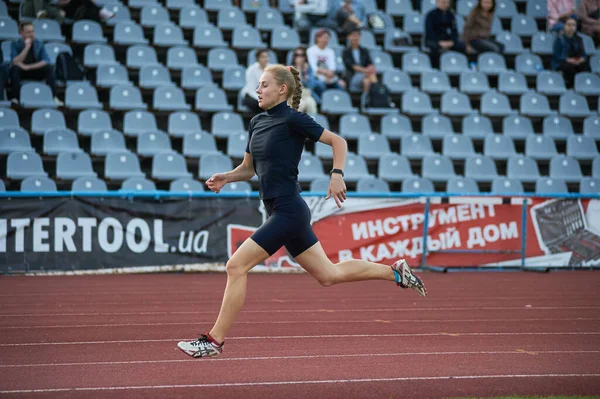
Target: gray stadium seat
396, 81
60, 140
47, 30
589, 185
540, 147
395, 126
414, 23
498, 146
141, 3
505, 8
591, 126
121, 13
179, 4
81, 96
457, 146
522, 168
14, 139
237, 187
336, 102
186, 184
536, 9
582, 148
371, 146
216, 5
37, 95
491, 63
124, 98
198, 144
88, 184
138, 184
107, 142
528, 64
284, 38
596, 167
352, 126
309, 168
128, 33
542, 43
112, 75
220, 59
356, 168
415, 63
434, 82
211, 99
557, 127
382, 61
208, 36
516, 126
236, 145
20, 165
71, 165
565, 167
192, 16
464, 7
595, 63
436, 126
415, 102
462, 185
495, 104
152, 143
587, 84
121, 166
92, 121
394, 168
456, 103
226, 123
477, 126
88, 32
523, 25
473, 82
234, 78
437, 168
503, 185
169, 98
547, 185
3, 10
573, 105
169, 166
214, 163
154, 15
415, 146
510, 82
397, 41
397, 8
480, 168
140, 55
417, 185
372, 185
9, 118
153, 76
268, 19
8, 29
454, 63
230, 18
195, 77
43, 120
168, 35
138, 122
54, 49
588, 43
511, 41
182, 123
181, 57
38, 184
550, 83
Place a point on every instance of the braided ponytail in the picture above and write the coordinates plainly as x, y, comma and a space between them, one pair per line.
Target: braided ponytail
297, 94
291, 77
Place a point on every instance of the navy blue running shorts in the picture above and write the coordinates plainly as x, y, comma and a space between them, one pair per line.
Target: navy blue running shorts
288, 225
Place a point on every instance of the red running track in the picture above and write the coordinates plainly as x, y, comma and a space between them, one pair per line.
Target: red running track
477, 334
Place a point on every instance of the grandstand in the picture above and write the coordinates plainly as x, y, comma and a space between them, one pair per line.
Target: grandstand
161, 108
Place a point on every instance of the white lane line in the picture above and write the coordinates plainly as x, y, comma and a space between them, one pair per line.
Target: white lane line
333, 356
436, 334
311, 382
373, 321
343, 310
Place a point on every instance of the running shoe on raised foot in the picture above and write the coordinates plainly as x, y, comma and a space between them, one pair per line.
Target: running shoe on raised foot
202, 347
406, 279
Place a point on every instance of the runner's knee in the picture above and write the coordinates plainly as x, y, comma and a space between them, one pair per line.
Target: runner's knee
235, 268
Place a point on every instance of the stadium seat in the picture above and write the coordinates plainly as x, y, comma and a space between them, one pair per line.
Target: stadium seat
573, 105
284, 38
140, 55
528, 64
310, 168
437, 168
504, 185
498, 146
268, 19
169, 98
415, 146
182, 123
237, 187
88, 184
181, 57
535, 105
9, 29
236, 145
13, 139
20, 165
506, 8
81, 96
372, 185
230, 18
436, 126
417, 185
54, 49
153, 143
252, 6
414, 23
220, 59
336, 102
38, 184
124, 98
464, 7
480, 168
523, 25
512, 43
456, 103
550, 83
48, 30
43, 120
491, 63
495, 104
415, 63
398, 8
512, 83
9, 118
591, 126
122, 166
179, 4
434, 82
477, 126
208, 36
396, 81
517, 127
195, 77
186, 184
397, 41
121, 13
596, 167
589, 185
199, 143
60, 140
92, 121
168, 35
595, 63
36, 95
542, 43
71, 165
234, 78
88, 32
472, 82
356, 168
106, 142
582, 148
128, 33
557, 127
169, 166
462, 185
192, 16
540, 147
382, 61
395, 126
211, 99
138, 184
522, 168
565, 167
353, 125
154, 15
393, 167
138, 122
587, 84
536, 9
547, 185
415, 102
372, 146
457, 146
112, 75
454, 63
214, 163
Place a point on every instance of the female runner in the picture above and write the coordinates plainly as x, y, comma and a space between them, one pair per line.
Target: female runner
275, 143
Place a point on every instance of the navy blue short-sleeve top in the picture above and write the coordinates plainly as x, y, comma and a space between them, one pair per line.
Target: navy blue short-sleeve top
276, 141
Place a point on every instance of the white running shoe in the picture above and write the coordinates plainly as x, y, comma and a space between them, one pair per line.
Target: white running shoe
202, 347
406, 279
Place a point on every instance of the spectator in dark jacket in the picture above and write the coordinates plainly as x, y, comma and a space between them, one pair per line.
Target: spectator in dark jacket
441, 33
569, 55
360, 72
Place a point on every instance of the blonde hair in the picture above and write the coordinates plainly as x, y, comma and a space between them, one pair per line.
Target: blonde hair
289, 76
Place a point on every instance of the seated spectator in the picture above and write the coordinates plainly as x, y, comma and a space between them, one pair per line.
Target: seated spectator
309, 13
569, 55
350, 15
360, 72
321, 59
253, 74
441, 33
558, 12
308, 102
30, 61
478, 28
44, 9
86, 9
589, 13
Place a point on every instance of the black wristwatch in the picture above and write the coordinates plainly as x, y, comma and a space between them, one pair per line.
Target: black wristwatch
341, 172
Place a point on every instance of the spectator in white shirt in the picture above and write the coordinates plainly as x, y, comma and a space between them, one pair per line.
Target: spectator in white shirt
253, 74
321, 59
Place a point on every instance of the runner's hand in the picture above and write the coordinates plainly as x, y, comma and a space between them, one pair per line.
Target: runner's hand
337, 189
216, 182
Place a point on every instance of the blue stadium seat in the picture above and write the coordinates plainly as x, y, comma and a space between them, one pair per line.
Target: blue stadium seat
587, 84
397, 8
397, 41
356, 168
372, 146
395, 126
220, 59
14, 139
71, 165
415, 146
523, 25
396, 81
513, 83
92, 121
185, 184
214, 163
550, 83
415, 102
436, 126
457, 146
415, 63
511, 41
195, 77
505, 8
557, 127
211, 99
414, 23
522, 168
138, 56
434, 82
528, 64
48, 30
53, 50
591, 126
246, 38
462, 185
154, 15
37, 95
540, 147
456, 103
234, 78
382, 61
179, 4
491, 63
9, 118
152, 143
454, 63
225, 124
43, 120
89, 184
122, 166
81, 96
372, 185
121, 12
112, 75
477, 126
503, 185
498, 146
236, 145
208, 36
573, 105
480, 168
237, 187
473, 82
310, 168
168, 35
437, 168
582, 148
182, 123
417, 185
20, 165
495, 104
565, 167
9, 29
169, 98
516, 126
110, 141
542, 43
353, 126
169, 166
284, 38
589, 185
88, 32
535, 105
138, 122
128, 33
60, 140
268, 19
230, 18
336, 102
192, 16
199, 143
536, 9
124, 98
138, 184
393, 167
38, 184
545, 185
153, 76
180, 57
